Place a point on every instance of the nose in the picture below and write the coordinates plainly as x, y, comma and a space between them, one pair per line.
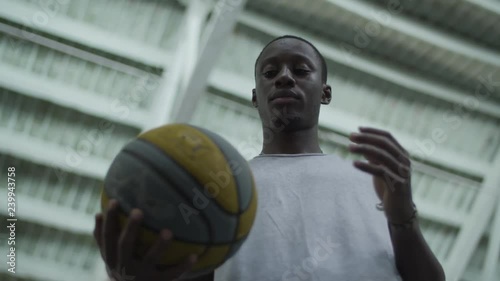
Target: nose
284, 79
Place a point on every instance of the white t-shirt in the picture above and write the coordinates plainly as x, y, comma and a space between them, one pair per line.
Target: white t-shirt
316, 220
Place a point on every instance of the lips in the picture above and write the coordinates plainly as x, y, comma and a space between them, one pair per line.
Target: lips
283, 94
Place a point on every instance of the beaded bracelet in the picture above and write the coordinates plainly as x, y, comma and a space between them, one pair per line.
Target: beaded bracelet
405, 225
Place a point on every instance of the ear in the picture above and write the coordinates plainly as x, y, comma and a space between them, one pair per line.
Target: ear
254, 98
326, 96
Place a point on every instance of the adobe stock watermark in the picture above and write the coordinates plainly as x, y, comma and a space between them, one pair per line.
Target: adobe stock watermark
222, 7
220, 179
372, 28
279, 121
453, 119
199, 201
323, 251
192, 147
46, 10
121, 108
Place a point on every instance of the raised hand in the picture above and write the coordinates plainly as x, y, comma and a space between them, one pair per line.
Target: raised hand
390, 165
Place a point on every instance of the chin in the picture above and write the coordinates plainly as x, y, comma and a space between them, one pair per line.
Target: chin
291, 123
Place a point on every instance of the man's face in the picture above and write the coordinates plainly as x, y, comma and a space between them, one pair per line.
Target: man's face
289, 89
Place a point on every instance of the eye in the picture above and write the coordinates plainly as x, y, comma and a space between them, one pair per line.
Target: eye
301, 71
269, 74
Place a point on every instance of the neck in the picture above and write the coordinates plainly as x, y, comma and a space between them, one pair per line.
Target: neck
293, 142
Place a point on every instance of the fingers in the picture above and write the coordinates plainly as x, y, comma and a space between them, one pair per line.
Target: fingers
156, 251
383, 134
126, 243
380, 147
392, 181
381, 142
179, 270
376, 155
118, 246
111, 234
376, 170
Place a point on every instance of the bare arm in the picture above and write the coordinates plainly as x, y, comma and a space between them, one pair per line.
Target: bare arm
390, 165
414, 259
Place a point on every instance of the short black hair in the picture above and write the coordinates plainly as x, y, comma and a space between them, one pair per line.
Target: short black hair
324, 68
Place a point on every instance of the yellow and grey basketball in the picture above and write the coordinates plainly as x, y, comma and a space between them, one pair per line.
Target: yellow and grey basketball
191, 181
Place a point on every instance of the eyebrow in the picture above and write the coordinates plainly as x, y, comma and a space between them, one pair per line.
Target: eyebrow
268, 60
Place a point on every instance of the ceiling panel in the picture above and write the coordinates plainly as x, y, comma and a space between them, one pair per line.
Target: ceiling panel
415, 54
153, 22
464, 18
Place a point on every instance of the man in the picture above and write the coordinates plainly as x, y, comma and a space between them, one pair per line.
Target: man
317, 217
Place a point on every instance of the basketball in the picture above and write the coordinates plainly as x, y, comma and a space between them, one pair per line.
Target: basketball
191, 181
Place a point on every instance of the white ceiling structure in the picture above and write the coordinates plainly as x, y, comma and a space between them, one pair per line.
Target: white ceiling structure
80, 78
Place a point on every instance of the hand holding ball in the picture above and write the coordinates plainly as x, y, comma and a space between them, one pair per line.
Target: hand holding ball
188, 180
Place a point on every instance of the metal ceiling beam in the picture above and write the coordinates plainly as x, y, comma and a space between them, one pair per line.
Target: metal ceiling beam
195, 21
224, 18
364, 64
52, 155
163, 101
178, 72
493, 251
88, 102
35, 268
422, 32
475, 223
39, 212
489, 5
22, 35
82, 33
